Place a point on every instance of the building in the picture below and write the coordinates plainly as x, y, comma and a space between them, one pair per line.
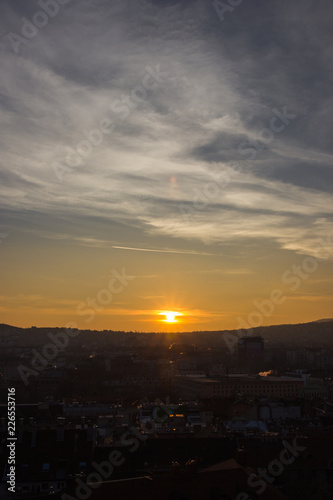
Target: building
235, 385
250, 352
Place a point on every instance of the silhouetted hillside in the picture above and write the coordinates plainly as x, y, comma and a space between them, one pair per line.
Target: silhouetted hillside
315, 333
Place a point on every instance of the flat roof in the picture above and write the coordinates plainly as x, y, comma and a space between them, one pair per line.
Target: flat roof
245, 378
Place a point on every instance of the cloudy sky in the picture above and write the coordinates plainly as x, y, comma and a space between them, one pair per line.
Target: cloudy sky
187, 144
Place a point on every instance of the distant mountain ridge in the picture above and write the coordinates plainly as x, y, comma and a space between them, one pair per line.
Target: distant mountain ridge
315, 333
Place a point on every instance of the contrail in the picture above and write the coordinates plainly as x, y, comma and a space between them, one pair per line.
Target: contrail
192, 252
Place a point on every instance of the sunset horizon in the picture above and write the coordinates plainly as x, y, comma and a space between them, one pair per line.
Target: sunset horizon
166, 241
182, 165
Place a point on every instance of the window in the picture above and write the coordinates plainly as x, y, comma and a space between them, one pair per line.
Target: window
46, 467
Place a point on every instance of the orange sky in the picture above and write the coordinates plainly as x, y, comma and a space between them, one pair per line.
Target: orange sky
52, 283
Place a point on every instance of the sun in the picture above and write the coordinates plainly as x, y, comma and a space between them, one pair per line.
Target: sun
170, 316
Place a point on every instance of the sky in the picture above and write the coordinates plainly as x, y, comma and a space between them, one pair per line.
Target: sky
166, 156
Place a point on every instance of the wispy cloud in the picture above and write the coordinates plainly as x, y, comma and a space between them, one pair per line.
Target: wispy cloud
199, 116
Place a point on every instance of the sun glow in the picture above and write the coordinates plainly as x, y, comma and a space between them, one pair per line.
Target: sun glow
170, 316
